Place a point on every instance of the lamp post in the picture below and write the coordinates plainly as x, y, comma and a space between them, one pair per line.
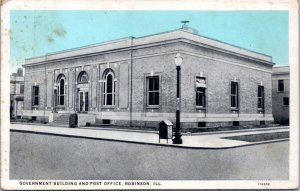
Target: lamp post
177, 139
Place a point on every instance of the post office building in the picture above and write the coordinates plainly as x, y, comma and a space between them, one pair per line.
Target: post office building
132, 82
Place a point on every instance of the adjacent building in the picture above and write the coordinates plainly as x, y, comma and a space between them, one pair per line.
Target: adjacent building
281, 94
132, 82
16, 94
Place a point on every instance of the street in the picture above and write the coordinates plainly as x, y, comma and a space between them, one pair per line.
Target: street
38, 156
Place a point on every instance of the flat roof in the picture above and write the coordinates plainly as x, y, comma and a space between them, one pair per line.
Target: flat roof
281, 70
130, 42
16, 78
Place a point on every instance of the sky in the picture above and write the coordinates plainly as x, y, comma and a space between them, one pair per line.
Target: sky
36, 33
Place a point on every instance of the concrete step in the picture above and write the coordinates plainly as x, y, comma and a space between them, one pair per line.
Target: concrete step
101, 124
63, 117
60, 125
67, 122
62, 120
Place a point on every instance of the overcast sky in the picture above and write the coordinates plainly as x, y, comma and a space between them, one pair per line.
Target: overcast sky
35, 33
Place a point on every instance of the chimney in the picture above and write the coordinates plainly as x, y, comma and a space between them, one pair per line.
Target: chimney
20, 72
186, 28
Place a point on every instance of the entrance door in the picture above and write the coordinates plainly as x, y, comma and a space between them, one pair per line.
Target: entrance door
83, 101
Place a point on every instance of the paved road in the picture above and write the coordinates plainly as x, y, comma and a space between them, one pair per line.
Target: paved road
36, 156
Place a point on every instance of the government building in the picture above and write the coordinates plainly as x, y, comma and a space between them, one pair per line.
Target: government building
132, 82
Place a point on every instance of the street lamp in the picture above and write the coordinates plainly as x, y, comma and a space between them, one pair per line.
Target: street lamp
177, 139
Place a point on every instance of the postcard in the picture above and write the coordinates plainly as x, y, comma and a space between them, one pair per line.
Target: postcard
107, 94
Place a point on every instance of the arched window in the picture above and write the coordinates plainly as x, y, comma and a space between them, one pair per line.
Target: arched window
83, 77
109, 87
61, 89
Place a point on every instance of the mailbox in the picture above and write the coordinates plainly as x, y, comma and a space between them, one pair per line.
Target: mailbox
165, 130
73, 120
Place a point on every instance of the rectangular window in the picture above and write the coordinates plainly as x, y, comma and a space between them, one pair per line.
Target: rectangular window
81, 101
35, 95
286, 101
21, 89
109, 90
260, 98
234, 95
200, 91
153, 91
280, 85
86, 101
62, 93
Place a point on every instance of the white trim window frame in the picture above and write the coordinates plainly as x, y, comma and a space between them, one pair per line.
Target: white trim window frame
280, 85
288, 101
35, 96
22, 89
109, 90
234, 95
261, 98
153, 91
201, 93
83, 78
61, 88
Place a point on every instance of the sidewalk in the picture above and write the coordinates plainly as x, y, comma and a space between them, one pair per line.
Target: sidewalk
213, 140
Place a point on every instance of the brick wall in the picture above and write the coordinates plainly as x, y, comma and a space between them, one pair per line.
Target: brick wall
35, 76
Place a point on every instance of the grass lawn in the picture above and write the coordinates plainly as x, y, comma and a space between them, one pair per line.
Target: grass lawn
261, 137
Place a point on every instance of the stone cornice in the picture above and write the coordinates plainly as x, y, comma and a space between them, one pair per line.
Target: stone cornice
150, 41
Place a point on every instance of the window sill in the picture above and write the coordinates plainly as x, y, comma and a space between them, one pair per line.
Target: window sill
108, 106
83, 112
285, 105
83, 82
234, 109
152, 107
200, 108
60, 108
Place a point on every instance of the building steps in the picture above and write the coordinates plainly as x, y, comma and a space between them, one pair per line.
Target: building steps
62, 120
102, 125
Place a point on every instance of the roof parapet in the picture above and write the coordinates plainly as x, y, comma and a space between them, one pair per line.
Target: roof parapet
281, 70
182, 33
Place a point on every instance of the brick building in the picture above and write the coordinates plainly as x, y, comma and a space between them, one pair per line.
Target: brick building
281, 94
132, 81
16, 94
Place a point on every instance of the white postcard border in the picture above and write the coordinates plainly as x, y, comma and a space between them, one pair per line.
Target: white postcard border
289, 5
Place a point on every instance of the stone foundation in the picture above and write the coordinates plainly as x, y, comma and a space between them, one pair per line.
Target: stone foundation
83, 119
